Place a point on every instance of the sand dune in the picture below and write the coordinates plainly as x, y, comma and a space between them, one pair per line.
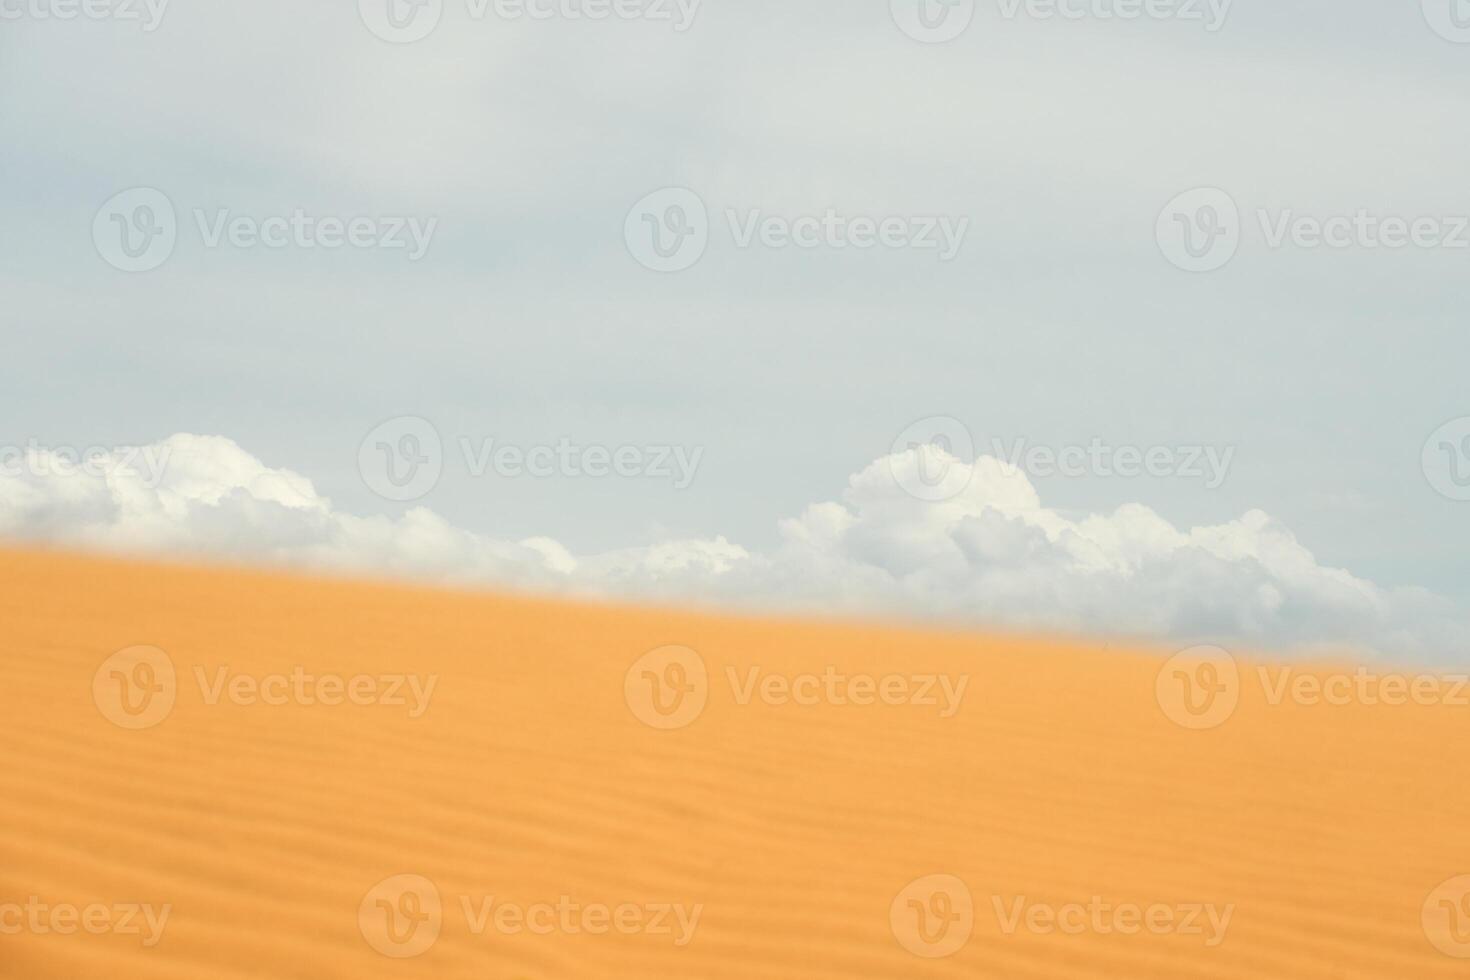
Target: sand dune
228, 774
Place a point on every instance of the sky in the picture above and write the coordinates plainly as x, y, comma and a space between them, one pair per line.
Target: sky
763, 248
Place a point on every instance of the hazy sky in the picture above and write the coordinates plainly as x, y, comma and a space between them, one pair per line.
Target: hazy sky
529, 318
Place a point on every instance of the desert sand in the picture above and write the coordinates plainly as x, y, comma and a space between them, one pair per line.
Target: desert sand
281, 776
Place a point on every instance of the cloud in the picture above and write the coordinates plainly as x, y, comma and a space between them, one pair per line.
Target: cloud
991, 555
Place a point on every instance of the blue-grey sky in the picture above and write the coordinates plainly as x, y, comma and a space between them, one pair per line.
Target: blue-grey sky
529, 319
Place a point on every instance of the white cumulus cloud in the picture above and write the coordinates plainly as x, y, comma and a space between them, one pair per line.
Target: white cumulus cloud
992, 554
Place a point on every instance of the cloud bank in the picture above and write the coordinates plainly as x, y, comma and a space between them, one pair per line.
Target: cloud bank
991, 555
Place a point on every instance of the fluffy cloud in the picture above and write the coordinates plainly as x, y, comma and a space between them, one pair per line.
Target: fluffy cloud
992, 554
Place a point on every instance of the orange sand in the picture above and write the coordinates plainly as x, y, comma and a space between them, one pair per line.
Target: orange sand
795, 829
